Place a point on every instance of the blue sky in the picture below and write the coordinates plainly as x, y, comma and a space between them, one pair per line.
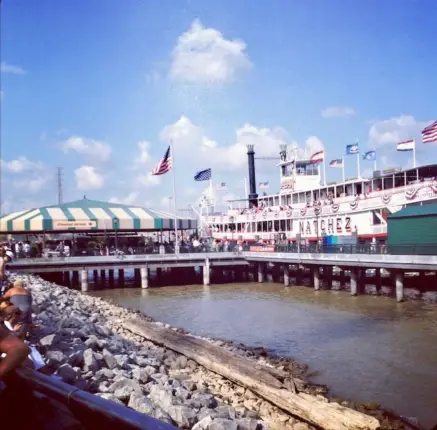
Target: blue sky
99, 87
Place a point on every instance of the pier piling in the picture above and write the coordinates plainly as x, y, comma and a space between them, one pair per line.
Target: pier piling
144, 277
286, 275
206, 272
399, 280
354, 281
316, 278
84, 280
260, 272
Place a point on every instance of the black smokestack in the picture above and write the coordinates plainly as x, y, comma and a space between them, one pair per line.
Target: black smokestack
253, 202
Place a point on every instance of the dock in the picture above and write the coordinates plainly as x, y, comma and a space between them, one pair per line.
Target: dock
317, 265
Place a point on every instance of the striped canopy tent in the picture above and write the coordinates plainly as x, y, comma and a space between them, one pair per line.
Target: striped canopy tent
91, 215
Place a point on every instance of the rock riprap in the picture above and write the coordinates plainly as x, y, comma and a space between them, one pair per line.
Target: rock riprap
85, 339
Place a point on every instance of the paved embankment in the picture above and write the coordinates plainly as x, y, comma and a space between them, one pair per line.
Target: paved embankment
84, 338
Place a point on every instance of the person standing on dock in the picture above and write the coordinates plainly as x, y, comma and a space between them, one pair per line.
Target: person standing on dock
5, 258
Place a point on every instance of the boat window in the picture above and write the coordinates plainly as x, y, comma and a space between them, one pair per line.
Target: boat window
295, 198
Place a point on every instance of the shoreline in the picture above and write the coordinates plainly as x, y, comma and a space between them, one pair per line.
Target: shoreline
127, 382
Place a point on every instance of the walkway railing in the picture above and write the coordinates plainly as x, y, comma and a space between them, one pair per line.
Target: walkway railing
91, 411
349, 249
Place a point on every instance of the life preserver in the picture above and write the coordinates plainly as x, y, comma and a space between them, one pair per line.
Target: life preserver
231, 219
386, 198
317, 210
276, 214
303, 211
288, 213
354, 204
335, 207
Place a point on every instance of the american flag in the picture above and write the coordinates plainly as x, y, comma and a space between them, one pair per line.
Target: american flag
264, 185
164, 164
429, 134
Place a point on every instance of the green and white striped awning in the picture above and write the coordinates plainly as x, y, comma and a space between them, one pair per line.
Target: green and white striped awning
91, 215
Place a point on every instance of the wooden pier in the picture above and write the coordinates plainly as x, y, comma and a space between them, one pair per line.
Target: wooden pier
317, 265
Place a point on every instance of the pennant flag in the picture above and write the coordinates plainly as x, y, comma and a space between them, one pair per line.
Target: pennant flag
317, 157
221, 186
352, 149
429, 134
406, 145
203, 175
164, 165
336, 163
264, 185
369, 156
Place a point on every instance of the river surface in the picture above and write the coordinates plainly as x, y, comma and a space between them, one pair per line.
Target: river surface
364, 348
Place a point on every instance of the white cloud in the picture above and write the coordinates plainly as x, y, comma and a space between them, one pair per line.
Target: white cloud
32, 185
20, 165
189, 139
337, 112
203, 55
394, 130
130, 199
93, 149
149, 180
10, 68
88, 178
143, 156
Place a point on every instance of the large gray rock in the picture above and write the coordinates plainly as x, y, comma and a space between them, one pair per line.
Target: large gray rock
109, 359
222, 424
124, 387
90, 363
140, 375
203, 424
249, 424
141, 404
55, 357
76, 359
49, 341
67, 373
183, 416
161, 396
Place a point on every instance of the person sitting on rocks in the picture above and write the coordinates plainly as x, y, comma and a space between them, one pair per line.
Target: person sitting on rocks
22, 298
11, 316
14, 349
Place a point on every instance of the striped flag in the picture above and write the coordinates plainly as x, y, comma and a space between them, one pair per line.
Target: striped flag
203, 175
317, 157
264, 185
429, 134
336, 163
406, 145
164, 165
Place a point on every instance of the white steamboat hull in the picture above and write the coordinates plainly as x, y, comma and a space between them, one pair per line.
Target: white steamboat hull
341, 216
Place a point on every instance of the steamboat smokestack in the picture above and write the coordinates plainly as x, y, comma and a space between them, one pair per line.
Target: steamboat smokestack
252, 180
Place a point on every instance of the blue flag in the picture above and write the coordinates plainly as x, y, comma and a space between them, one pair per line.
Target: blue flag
369, 156
203, 175
352, 149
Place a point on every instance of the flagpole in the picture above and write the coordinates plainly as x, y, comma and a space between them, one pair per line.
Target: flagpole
342, 167
358, 165
174, 198
210, 193
414, 153
246, 195
374, 162
324, 170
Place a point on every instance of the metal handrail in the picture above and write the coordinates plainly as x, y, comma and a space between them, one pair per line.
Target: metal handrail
87, 408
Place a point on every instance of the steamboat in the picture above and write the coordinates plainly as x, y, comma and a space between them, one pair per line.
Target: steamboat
308, 210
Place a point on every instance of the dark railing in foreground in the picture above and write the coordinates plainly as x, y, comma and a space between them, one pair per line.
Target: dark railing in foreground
91, 411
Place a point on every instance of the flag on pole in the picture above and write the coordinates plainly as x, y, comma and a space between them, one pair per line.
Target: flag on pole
406, 145
164, 164
221, 186
352, 149
369, 156
264, 185
317, 157
429, 134
336, 163
203, 175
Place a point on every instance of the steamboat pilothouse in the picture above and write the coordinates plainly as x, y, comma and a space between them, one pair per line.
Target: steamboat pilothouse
340, 212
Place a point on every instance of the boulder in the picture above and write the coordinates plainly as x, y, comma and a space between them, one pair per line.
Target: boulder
109, 359
90, 363
141, 404
183, 416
